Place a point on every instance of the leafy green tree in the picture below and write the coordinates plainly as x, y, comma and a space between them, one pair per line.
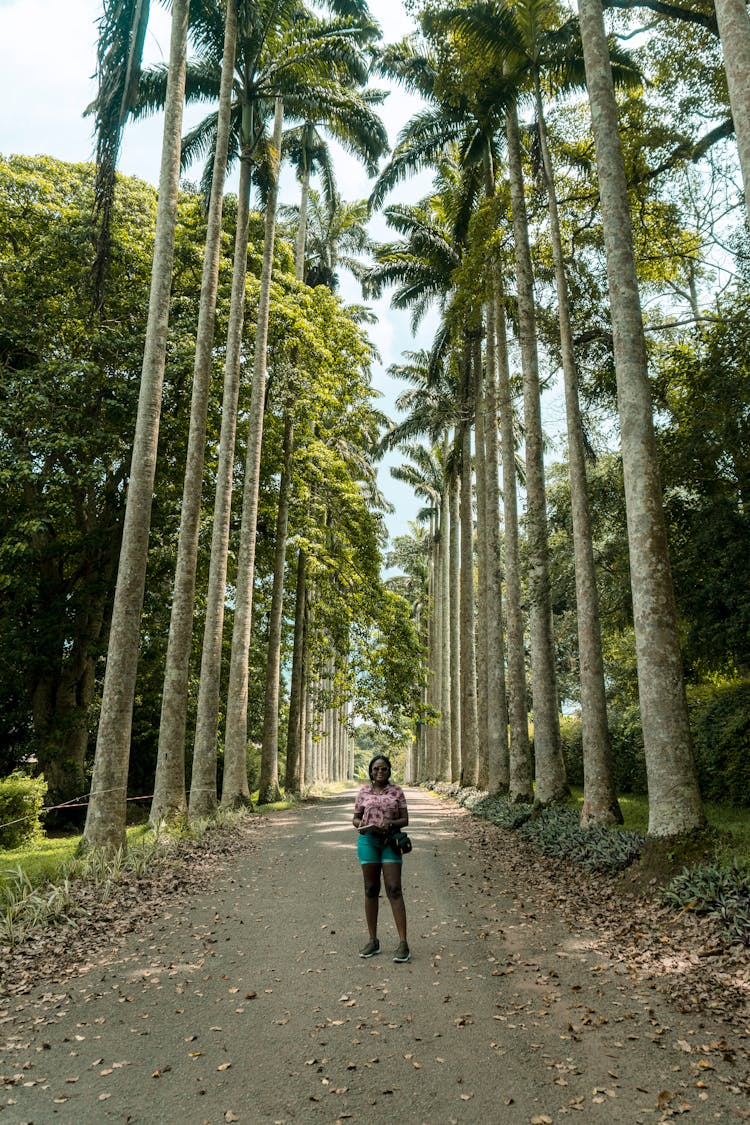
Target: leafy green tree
702, 387
69, 393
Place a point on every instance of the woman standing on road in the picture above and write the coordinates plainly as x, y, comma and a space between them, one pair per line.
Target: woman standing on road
380, 809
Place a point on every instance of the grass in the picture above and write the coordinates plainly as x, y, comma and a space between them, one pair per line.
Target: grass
44, 858
732, 822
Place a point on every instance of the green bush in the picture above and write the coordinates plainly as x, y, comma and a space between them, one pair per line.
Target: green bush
556, 832
21, 800
720, 722
628, 758
571, 741
721, 892
628, 761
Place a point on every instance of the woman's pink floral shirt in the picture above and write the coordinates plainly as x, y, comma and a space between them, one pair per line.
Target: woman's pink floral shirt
377, 807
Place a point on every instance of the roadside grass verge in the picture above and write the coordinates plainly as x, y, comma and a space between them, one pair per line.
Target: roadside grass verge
38, 882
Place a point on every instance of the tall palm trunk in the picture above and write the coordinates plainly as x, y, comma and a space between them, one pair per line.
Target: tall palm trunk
440, 654
301, 239
469, 762
309, 770
268, 786
734, 30
431, 731
236, 789
551, 784
497, 700
203, 783
169, 787
520, 787
444, 640
105, 822
294, 740
454, 626
674, 798
482, 605
600, 804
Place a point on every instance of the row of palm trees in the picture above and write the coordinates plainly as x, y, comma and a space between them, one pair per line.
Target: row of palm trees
472, 66
258, 62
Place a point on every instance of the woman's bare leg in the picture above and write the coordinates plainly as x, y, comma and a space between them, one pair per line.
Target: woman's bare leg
392, 879
371, 874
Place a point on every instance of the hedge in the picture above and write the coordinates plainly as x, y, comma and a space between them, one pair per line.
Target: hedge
720, 725
21, 800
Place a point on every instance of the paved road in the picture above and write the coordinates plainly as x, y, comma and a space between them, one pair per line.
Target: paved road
250, 1004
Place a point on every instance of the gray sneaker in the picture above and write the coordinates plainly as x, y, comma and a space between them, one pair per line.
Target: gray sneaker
372, 947
402, 953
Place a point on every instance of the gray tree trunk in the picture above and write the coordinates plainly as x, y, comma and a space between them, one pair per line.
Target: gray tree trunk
268, 787
482, 600
169, 787
431, 730
469, 744
520, 782
600, 805
294, 744
235, 790
105, 821
203, 795
674, 798
301, 239
445, 641
497, 700
734, 30
551, 783
454, 626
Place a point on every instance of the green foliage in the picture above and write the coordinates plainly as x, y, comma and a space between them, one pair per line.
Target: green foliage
703, 390
722, 893
370, 739
21, 800
571, 742
556, 832
720, 722
500, 812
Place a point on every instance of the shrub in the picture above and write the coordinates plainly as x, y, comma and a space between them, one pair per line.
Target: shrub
571, 741
628, 758
721, 892
556, 832
21, 800
721, 735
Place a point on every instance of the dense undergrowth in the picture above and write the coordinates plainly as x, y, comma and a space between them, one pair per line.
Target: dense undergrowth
34, 895
720, 890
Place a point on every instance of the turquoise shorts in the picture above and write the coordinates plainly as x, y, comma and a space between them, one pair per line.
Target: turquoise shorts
374, 849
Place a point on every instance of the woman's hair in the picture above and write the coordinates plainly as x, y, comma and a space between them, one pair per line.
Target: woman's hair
379, 758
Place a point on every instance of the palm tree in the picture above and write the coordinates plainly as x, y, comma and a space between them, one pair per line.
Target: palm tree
424, 475
235, 789
422, 264
105, 821
169, 787
521, 38
734, 30
674, 798
122, 32
281, 51
431, 409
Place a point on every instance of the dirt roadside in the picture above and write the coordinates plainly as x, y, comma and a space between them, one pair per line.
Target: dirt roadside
247, 1002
